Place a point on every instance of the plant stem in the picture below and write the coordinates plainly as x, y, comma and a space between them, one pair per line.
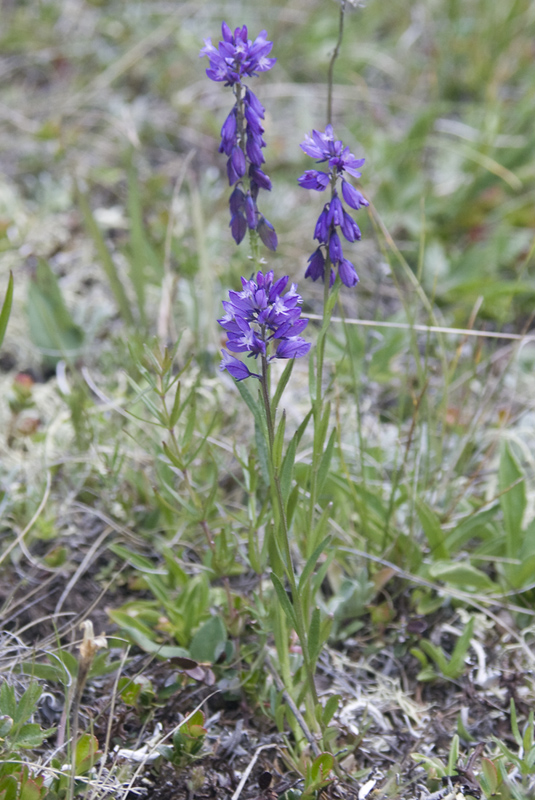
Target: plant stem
331, 63
283, 538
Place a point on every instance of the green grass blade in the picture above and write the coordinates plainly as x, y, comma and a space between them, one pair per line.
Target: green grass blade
6, 308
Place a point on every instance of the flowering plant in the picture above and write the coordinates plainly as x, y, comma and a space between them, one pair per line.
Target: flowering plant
236, 58
324, 147
262, 321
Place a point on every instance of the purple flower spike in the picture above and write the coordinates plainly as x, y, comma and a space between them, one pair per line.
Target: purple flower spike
323, 147
235, 58
262, 320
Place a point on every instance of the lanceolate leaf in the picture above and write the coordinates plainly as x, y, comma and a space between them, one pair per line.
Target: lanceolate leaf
512, 500
6, 308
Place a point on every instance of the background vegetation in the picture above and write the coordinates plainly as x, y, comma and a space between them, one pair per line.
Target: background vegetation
143, 508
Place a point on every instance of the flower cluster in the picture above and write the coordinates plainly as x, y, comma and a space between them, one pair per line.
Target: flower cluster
324, 147
261, 321
235, 58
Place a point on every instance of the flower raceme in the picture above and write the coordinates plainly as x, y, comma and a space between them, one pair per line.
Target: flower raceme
325, 148
262, 321
235, 58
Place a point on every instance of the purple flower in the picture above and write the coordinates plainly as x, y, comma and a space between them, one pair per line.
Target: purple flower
325, 148
262, 320
236, 57
335, 248
316, 265
238, 226
352, 196
347, 273
266, 231
237, 368
314, 179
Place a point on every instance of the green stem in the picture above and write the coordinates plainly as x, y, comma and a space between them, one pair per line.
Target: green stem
284, 540
318, 400
331, 64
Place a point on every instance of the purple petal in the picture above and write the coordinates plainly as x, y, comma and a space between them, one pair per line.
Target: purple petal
250, 211
335, 248
321, 231
352, 196
235, 367
292, 348
236, 201
266, 231
314, 179
347, 273
259, 177
238, 161
316, 265
238, 226
349, 227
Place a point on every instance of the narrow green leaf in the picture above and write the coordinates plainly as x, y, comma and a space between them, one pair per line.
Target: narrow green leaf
325, 462
322, 429
191, 419
262, 450
278, 442
314, 642
143, 396
284, 600
172, 456
174, 416
331, 707
319, 577
291, 501
281, 386
456, 665
436, 654
433, 530
453, 756
312, 379
247, 397
310, 565
490, 774
140, 562
512, 484
286, 472
6, 308
514, 723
